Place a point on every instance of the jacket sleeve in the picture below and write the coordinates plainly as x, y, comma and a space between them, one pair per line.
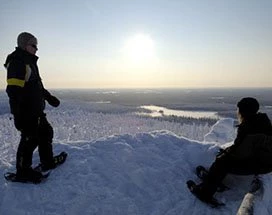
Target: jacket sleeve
241, 134
46, 94
52, 100
267, 125
16, 78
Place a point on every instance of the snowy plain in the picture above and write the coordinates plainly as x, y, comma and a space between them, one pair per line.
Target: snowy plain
122, 164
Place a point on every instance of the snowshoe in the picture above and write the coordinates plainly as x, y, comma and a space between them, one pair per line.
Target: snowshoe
29, 176
202, 173
195, 190
57, 160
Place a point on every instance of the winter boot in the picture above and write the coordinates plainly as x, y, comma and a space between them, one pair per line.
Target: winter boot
198, 191
57, 160
201, 172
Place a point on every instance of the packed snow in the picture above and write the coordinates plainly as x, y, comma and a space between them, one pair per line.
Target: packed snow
123, 164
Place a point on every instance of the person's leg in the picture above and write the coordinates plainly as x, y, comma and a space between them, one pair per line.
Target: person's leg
217, 172
27, 145
224, 165
232, 161
45, 132
48, 161
250, 167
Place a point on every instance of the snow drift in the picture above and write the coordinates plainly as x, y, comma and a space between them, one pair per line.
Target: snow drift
124, 174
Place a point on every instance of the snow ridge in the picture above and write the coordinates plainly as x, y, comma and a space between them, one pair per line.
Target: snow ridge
126, 174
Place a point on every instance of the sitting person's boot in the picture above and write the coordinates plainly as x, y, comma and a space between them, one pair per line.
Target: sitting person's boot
200, 191
204, 193
202, 172
57, 160
28, 174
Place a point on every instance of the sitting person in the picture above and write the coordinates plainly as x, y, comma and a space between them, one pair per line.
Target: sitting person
251, 153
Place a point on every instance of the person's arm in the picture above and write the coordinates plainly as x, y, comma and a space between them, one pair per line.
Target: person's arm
16, 75
52, 100
16, 78
241, 134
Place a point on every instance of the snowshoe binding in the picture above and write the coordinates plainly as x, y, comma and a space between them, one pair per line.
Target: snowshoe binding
57, 160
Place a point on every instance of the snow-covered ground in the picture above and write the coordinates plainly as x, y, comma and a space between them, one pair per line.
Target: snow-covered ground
122, 164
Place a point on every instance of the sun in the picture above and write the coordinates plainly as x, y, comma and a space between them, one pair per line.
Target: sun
139, 48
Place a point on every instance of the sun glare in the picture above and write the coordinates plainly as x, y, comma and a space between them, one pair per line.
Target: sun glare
139, 48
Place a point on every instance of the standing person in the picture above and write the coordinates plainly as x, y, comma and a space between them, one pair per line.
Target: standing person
251, 153
27, 97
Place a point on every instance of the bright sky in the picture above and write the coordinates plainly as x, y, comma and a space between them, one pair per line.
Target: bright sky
144, 43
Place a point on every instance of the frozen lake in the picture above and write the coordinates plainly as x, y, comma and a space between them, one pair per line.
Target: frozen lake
157, 111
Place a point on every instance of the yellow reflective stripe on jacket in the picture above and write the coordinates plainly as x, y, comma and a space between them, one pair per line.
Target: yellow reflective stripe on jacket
16, 82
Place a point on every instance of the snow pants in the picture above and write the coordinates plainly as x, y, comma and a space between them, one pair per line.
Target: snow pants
35, 132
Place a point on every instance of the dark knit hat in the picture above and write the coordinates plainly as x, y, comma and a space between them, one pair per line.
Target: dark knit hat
248, 106
25, 39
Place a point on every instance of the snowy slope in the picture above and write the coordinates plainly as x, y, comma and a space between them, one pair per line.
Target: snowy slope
131, 173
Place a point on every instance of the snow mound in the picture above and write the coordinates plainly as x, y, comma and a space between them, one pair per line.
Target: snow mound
130, 174
222, 131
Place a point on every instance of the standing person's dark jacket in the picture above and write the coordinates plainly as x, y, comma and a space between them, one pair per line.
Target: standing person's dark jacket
24, 86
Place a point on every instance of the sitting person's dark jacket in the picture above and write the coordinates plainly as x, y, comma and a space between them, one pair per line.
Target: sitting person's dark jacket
251, 152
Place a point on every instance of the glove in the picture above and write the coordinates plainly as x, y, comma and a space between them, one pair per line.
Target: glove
223, 153
220, 152
53, 101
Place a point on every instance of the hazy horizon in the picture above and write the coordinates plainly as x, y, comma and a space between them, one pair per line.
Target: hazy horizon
153, 88
223, 101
